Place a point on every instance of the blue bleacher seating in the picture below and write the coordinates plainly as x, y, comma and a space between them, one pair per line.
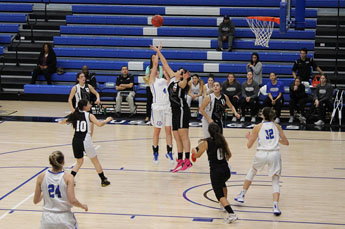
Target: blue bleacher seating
9, 28
6, 17
1, 50
5, 39
10, 7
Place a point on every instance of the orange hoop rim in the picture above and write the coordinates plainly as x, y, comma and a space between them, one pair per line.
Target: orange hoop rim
274, 19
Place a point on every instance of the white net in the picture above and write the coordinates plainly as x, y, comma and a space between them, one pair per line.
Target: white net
262, 30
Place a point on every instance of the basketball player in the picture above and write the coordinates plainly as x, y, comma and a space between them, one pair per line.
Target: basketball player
82, 91
81, 120
213, 109
57, 189
218, 153
161, 111
180, 111
208, 88
269, 135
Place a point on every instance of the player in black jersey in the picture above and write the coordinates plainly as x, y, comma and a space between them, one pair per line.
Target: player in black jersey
81, 120
213, 109
218, 153
180, 111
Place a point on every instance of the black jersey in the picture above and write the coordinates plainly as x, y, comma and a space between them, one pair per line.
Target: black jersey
219, 106
82, 128
177, 94
215, 155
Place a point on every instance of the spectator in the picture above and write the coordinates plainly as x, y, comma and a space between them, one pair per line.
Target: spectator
250, 98
232, 88
90, 77
208, 88
298, 97
323, 99
195, 90
46, 64
275, 96
125, 88
226, 32
255, 66
302, 67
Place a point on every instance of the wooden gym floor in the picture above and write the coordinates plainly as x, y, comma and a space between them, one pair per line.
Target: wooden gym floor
145, 195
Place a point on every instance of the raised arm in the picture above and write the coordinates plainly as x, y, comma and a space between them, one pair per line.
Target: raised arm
154, 70
182, 84
71, 95
99, 123
165, 64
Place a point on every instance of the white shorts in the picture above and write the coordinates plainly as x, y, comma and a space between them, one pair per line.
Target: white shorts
205, 125
89, 148
61, 220
161, 116
271, 158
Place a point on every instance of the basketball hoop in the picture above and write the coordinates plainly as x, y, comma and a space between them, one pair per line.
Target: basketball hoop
262, 27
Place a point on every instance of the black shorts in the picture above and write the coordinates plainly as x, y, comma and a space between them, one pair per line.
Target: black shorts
218, 178
180, 117
78, 147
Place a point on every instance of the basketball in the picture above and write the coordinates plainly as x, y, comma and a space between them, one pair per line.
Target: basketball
157, 21
193, 157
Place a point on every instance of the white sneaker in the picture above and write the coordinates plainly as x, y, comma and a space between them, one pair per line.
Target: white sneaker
221, 207
243, 119
229, 218
276, 211
291, 119
239, 198
277, 120
253, 119
234, 119
319, 123
302, 120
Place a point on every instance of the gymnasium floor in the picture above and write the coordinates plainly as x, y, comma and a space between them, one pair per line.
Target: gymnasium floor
145, 195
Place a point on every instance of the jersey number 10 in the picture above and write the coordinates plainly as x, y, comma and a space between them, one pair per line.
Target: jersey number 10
81, 126
269, 134
52, 191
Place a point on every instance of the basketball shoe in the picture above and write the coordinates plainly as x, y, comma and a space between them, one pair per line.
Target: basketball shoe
105, 182
170, 157
187, 164
239, 198
155, 158
178, 166
230, 217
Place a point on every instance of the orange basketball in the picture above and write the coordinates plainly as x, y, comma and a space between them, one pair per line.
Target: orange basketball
157, 21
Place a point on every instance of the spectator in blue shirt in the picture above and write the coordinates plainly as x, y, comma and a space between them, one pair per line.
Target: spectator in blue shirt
275, 97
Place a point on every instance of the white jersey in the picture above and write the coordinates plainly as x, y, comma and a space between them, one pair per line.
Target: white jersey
160, 94
268, 138
83, 92
54, 191
195, 89
207, 89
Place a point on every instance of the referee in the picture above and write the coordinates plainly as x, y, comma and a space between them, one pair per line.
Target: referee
302, 66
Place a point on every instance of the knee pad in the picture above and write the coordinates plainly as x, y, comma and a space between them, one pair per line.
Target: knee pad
251, 174
275, 184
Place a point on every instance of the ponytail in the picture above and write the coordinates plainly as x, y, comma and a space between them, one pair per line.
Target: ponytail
219, 139
75, 116
57, 159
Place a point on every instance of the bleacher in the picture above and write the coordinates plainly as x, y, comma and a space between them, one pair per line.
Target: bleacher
107, 34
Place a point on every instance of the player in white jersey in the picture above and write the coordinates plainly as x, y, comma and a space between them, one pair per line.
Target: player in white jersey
82, 121
195, 91
161, 115
269, 135
56, 188
81, 91
208, 88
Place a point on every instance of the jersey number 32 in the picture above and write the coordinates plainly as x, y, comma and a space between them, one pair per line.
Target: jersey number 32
269, 134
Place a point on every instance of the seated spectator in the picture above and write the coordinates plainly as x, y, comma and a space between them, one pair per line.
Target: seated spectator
195, 90
148, 89
300, 98
208, 88
250, 97
302, 67
125, 88
90, 77
255, 66
226, 32
46, 64
323, 99
232, 88
275, 98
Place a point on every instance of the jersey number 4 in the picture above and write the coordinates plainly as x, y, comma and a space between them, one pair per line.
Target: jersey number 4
81, 126
54, 191
269, 134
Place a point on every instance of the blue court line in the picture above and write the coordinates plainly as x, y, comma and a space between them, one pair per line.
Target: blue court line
24, 183
184, 217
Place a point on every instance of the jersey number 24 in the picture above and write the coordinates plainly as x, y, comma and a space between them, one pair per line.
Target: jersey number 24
54, 191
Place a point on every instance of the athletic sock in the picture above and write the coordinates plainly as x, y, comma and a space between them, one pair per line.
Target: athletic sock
229, 209
243, 192
275, 204
155, 149
101, 175
179, 155
169, 149
73, 173
187, 155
